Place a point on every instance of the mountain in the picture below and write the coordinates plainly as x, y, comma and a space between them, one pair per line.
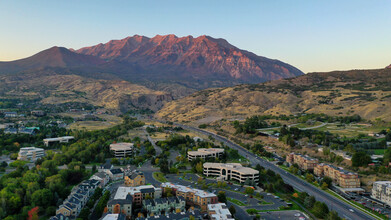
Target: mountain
363, 92
49, 87
388, 67
52, 57
193, 61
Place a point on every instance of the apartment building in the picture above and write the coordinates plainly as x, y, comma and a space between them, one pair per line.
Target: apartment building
136, 178
193, 197
163, 206
219, 211
204, 153
109, 216
30, 153
121, 149
121, 205
138, 193
340, 177
115, 174
102, 177
232, 171
381, 190
303, 161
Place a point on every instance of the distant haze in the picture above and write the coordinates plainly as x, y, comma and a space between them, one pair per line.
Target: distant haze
310, 35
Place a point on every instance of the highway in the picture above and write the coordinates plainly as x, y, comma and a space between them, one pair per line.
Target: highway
333, 203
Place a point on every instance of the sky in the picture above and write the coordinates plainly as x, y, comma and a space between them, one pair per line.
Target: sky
311, 35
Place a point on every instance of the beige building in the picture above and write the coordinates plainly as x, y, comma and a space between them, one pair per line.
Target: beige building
121, 149
204, 153
136, 178
231, 171
341, 177
30, 153
381, 190
193, 197
303, 161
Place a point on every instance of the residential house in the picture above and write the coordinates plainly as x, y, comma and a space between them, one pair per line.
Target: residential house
163, 206
136, 178
102, 177
115, 174
219, 211
121, 205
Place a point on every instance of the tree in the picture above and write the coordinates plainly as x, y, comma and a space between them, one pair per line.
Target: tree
222, 197
232, 210
33, 213
361, 158
324, 186
199, 167
309, 177
309, 202
320, 209
249, 190
333, 215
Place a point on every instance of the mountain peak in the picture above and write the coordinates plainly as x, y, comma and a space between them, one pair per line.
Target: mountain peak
388, 67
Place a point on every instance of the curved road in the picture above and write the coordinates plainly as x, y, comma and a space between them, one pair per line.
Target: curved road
333, 203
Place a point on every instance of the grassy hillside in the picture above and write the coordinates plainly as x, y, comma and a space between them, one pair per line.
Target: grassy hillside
52, 88
363, 92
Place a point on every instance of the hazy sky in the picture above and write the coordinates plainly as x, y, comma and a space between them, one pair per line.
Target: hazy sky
311, 35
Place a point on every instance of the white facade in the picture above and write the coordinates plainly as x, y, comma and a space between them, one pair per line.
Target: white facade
204, 153
64, 139
381, 190
231, 171
30, 153
121, 149
219, 211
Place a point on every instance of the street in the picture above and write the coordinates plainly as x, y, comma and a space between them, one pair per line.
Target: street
335, 204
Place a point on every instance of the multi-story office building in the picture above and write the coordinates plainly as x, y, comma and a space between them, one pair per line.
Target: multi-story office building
192, 196
231, 171
381, 190
303, 161
122, 149
341, 177
30, 153
204, 153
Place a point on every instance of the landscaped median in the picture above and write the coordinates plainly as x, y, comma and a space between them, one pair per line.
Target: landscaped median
235, 201
159, 177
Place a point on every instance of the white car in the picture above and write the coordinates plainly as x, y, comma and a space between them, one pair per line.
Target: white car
297, 214
351, 210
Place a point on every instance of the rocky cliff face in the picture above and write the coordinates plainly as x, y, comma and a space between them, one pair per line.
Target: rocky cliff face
188, 57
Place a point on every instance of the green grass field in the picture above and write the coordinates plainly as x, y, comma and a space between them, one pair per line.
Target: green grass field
159, 177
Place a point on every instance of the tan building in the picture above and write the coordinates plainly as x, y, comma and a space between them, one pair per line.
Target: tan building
192, 196
136, 178
138, 193
231, 171
341, 177
121, 149
204, 153
303, 161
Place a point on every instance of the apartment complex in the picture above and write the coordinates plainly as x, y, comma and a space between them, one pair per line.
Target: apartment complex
303, 161
341, 177
138, 193
79, 196
30, 153
219, 211
102, 177
381, 190
232, 171
192, 196
164, 206
204, 153
136, 178
121, 149
115, 174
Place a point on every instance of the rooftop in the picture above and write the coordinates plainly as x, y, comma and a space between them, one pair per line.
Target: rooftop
121, 146
123, 191
197, 192
232, 166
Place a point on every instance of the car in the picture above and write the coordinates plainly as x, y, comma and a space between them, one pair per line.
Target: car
269, 194
236, 189
351, 210
297, 214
